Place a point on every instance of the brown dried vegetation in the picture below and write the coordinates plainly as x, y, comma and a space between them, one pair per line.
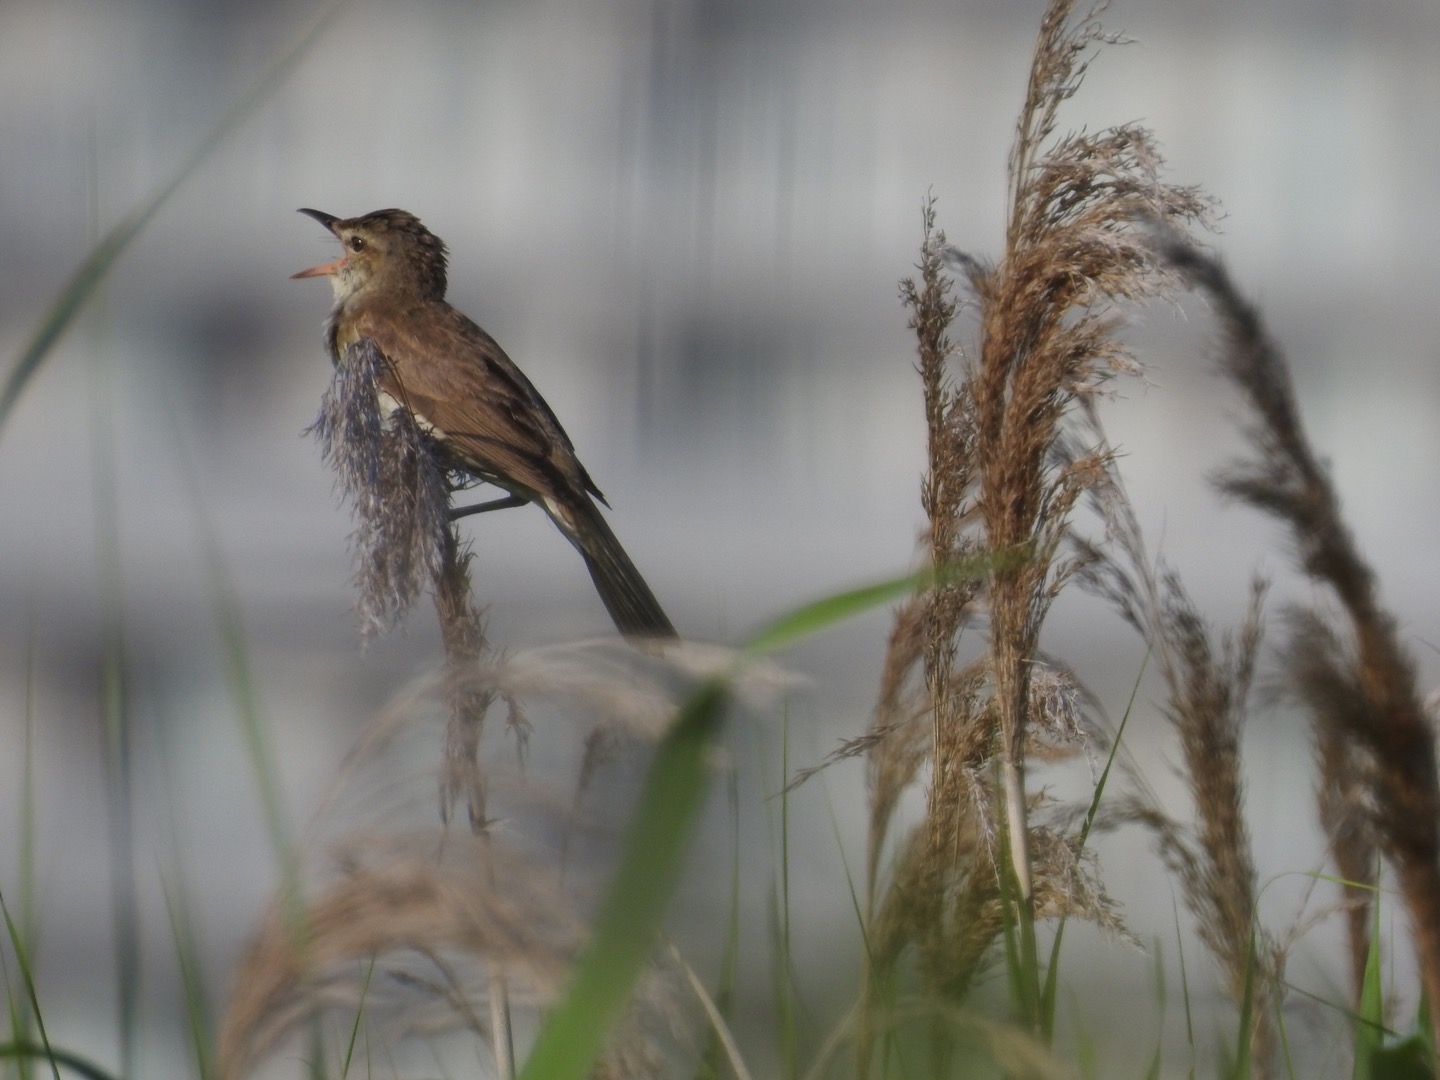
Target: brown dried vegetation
1004, 477
1376, 742
1014, 448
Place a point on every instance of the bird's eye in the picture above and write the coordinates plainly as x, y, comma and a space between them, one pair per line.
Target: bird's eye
357, 243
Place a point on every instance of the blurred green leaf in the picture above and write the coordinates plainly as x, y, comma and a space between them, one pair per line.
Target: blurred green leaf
821, 614
573, 1037
103, 256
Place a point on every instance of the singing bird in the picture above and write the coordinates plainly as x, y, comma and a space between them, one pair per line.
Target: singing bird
459, 385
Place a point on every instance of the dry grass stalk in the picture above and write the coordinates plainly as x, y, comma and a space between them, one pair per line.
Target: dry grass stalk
413, 926
1383, 716
1003, 481
395, 488
399, 491
409, 932
1047, 340
1321, 672
1208, 690
462, 630
392, 475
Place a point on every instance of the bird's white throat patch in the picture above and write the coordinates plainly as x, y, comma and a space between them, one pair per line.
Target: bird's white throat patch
389, 404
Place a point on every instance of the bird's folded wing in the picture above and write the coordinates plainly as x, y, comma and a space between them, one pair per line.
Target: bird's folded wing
455, 378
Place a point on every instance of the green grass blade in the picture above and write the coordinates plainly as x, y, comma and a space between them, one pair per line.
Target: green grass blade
856, 904
783, 970
674, 790
1244, 1064
1370, 1023
27, 979
1161, 1001
116, 720
716, 1049
1425, 1031
244, 690
354, 1039
825, 612
21, 1051
821, 614
18, 1006
1052, 970
1184, 987
103, 256
192, 977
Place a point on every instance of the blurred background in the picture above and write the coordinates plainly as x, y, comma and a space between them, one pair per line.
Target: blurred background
686, 221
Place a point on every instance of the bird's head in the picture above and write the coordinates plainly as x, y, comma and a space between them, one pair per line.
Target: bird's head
386, 251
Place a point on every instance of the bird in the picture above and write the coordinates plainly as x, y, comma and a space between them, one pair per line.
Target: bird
488, 420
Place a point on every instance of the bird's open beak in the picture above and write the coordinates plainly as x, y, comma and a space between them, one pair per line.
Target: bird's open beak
325, 270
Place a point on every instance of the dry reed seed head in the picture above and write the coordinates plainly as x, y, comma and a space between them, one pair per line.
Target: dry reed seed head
1321, 672
1345, 804
972, 268
950, 918
1208, 688
410, 931
1213, 860
1047, 341
1002, 480
634, 693
440, 910
1057, 718
391, 476
1287, 479
1068, 884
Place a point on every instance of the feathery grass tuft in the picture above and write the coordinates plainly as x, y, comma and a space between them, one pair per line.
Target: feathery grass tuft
1208, 688
1379, 712
392, 479
1006, 471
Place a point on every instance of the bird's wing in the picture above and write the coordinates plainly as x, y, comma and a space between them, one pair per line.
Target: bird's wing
455, 378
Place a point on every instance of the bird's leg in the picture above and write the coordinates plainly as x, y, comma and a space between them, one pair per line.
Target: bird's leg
456, 513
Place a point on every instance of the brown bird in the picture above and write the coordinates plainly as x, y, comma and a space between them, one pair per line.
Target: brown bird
459, 385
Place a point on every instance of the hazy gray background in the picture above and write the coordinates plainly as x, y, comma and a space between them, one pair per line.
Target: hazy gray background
686, 222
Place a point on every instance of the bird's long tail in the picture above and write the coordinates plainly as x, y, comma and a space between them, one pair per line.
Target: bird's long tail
626, 596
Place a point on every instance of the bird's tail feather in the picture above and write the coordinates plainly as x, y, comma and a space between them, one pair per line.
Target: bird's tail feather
626, 596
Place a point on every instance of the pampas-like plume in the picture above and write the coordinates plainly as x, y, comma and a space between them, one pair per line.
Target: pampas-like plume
394, 476
1003, 479
1379, 712
409, 933
412, 927
398, 486
390, 475
1047, 340
1207, 695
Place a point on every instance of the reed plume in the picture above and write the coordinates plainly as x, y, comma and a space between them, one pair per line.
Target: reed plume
1005, 474
1208, 686
392, 475
1353, 671
408, 929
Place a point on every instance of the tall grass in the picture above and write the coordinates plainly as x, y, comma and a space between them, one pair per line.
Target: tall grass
115, 726
395, 926
1353, 672
1006, 472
